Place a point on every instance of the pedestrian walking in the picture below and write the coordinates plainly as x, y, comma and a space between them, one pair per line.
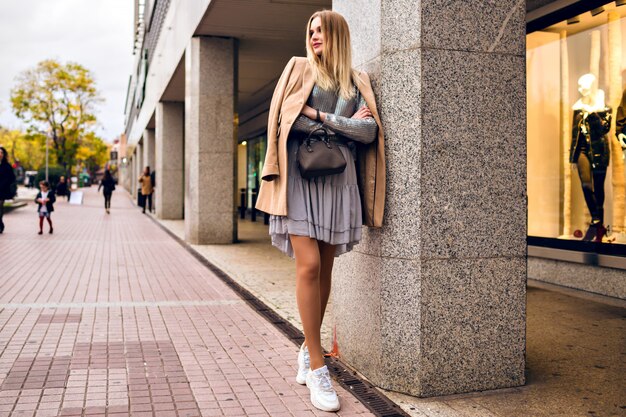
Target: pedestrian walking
62, 188
108, 183
316, 209
7, 183
146, 189
45, 199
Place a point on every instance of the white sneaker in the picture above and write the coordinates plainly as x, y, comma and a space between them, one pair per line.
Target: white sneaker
304, 363
323, 395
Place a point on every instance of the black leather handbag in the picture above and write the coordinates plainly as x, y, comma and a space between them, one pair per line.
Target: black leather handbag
318, 156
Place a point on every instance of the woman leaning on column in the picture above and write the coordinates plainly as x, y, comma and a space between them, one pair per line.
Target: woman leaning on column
317, 219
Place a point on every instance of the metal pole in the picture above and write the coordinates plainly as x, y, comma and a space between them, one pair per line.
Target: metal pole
47, 156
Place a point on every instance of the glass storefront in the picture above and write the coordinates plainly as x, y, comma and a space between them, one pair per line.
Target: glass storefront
256, 156
251, 154
576, 86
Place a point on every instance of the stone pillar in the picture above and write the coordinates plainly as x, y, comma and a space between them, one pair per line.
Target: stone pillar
127, 174
210, 136
148, 148
170, 123
148, 156
131, 175
139, 165
434, 302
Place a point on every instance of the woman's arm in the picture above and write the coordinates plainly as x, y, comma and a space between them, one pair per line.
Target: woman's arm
361, 127
305, 125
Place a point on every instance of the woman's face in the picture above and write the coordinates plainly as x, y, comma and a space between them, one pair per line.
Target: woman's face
316, 37
1, 155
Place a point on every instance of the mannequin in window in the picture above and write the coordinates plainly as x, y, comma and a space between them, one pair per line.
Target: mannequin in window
620, 121
590, 150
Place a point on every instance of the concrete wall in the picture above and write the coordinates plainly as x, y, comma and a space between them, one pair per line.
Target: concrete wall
181, 21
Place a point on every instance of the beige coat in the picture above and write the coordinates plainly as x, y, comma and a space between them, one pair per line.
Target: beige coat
146, 185
291, 93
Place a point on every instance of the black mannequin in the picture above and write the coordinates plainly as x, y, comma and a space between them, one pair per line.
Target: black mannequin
591, 153
620, 121
590, 150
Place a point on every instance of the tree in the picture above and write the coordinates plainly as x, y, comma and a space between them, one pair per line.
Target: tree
58, 100
29, 150
93, 153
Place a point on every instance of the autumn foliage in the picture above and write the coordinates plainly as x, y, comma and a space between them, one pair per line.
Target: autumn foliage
59, 101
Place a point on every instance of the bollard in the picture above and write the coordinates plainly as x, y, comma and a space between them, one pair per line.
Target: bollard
253, 212
242, 203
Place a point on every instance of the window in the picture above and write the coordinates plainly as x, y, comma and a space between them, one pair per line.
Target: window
576, 81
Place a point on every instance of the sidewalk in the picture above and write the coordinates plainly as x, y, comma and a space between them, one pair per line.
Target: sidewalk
575, 341
262, 269
110, 316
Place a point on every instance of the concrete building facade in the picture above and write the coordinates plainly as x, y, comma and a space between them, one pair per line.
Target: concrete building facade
433, 303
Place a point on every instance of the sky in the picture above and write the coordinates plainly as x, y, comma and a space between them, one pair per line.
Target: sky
98, 34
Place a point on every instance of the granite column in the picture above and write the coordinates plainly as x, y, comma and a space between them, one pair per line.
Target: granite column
149, 148
434, 302
170, 123
139, 165
131, 175
210, 137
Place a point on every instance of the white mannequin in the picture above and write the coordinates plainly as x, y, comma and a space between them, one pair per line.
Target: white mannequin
592, 99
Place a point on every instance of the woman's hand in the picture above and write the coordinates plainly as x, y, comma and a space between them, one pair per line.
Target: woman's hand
362, 113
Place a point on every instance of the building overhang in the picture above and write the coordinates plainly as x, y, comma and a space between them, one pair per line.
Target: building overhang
270, 32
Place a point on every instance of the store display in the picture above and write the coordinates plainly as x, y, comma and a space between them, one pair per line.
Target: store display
576, 129
620, 122
590, 150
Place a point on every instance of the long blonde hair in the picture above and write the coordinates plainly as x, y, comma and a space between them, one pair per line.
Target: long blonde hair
333, 69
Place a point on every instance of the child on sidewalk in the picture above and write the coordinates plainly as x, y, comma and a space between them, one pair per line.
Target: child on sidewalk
45, 200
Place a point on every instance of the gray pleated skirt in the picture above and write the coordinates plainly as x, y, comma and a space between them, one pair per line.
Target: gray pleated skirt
324, 208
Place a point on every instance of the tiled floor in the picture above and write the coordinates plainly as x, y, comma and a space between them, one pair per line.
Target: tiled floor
110, 316
574, 347
262, 269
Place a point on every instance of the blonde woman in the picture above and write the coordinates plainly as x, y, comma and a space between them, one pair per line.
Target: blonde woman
317, 219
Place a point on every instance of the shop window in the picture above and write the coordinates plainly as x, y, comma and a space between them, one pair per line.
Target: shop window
256, 155
576, 82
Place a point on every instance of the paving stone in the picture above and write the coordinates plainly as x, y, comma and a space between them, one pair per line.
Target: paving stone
118, 319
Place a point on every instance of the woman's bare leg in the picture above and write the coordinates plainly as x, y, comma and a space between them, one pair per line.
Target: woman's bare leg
327, 259
308, 294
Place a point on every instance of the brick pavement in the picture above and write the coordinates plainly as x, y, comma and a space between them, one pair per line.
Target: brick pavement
109, 316
260, 268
